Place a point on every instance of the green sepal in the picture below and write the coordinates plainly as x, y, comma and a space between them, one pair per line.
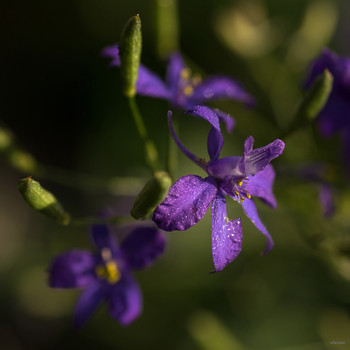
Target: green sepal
151, 195
42, 200
130, 54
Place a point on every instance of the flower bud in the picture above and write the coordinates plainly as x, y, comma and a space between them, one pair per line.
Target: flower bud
151, 195
42, 200
317, 96
130, 54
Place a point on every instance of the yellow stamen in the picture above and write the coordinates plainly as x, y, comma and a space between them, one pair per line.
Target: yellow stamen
242, 199
227, 219
113, 273
236, 193
188, 90
240, 183
185, 73
248, 196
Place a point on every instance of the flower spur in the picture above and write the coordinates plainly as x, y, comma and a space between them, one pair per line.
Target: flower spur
240, 178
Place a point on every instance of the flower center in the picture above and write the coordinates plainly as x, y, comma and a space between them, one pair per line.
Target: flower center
109, 269
240, 192
188, 82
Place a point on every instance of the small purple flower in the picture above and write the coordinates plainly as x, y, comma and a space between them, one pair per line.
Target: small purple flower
238, 177
183, 90
106, 275
335, 116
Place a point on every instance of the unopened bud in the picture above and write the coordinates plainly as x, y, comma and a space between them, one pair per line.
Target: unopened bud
151, 195
130, 54
42, 200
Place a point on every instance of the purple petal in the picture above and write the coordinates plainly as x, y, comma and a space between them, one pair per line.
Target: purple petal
214, 144
215, 138
74, 269
261, 185
326, 200
103, 238
227, 168
226, 235
338, 66
186, 203
175, 67
334, 116
226, 118
142, 246
149, 84
257, 159
125, 301
112, 52
252, 213
88, 302
188, 153
219, 87
206, 113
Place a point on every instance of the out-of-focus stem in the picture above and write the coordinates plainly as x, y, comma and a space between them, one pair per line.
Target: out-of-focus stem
150, 149
23, 161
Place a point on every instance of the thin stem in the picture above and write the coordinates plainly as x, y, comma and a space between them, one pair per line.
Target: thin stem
117, 220
151, 155
172, 151
24, 162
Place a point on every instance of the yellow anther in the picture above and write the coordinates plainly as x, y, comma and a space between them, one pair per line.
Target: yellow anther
248, 196
185, 73
109, 271
242, 199
240, 183
236, 193
113, 274
188, 90
227, 219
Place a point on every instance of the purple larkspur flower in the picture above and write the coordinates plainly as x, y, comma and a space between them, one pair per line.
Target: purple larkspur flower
335, 116
184, 90
238, 177
106, 274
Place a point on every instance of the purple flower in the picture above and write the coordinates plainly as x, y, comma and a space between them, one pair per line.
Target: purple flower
106, 275
183, 90
335, 116
238, 177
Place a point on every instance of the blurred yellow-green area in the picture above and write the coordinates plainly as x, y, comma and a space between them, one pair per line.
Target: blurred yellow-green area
64, 106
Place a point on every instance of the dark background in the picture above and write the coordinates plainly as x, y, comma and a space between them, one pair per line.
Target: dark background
65, 106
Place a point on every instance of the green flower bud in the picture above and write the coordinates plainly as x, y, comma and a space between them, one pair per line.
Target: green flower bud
313, 102
130, 54
42, 200
151, 195
317, 96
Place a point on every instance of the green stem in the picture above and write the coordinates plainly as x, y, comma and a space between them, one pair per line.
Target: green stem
116, 220
172, 151
151, 155
24, 162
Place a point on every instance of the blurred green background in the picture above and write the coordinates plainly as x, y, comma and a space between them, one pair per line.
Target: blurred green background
65, 106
